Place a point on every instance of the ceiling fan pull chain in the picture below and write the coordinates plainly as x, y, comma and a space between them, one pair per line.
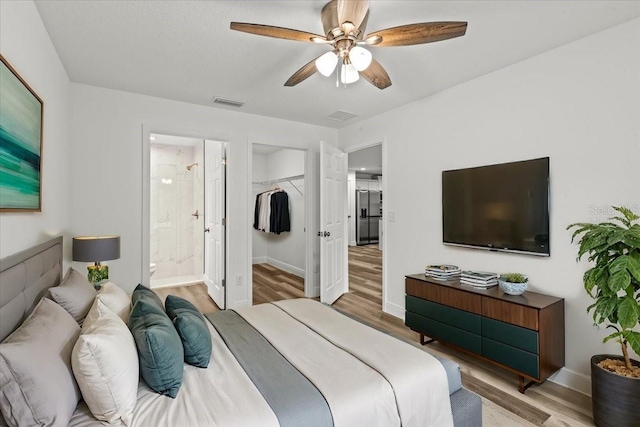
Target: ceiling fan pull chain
338, 75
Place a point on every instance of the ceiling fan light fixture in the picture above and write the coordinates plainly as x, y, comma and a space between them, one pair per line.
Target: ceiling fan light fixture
360, 58
349, 74
327, 63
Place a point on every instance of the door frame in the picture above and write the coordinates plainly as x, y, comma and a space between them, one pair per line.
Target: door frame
358, 147
311, 287
145, 234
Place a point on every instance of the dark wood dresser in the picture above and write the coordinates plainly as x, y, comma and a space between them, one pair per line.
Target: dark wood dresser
523, 334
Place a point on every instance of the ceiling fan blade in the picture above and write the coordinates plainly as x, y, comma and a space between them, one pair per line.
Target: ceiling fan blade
426, 32
376, 75
363, 26
277, 32
303, 73
352, 11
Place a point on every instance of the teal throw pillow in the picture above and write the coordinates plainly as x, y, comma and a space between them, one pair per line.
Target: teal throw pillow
159, 347
193, 330
146, 293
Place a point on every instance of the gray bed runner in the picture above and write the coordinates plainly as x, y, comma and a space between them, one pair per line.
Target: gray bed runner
292, 397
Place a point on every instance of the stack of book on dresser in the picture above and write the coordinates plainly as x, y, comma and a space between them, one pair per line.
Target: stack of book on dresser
442, 271
479, 279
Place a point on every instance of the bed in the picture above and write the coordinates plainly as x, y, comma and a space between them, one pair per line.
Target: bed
288, 363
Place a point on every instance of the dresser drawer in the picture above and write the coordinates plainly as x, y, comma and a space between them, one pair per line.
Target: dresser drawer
516, 314
451, 316
444, 295
515, 358
512, 335
442, 331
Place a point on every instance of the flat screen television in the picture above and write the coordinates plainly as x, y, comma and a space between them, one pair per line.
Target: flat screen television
503, 207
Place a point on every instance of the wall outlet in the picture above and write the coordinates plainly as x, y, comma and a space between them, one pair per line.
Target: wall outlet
239, 280
391, 216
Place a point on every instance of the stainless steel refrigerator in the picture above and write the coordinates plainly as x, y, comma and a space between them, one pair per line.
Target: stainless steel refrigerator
368, 215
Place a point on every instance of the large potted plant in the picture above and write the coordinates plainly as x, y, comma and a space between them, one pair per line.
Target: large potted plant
614, 283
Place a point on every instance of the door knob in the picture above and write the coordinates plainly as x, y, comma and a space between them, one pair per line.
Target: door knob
206, 230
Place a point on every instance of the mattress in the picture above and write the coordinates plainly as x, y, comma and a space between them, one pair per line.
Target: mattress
366, 378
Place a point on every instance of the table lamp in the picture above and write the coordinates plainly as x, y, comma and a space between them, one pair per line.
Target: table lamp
96, 249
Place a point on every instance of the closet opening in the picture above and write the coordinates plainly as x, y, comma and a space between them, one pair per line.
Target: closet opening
279, 223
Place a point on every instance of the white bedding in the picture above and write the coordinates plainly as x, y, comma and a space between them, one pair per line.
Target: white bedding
419, 380
220, 395
396, 385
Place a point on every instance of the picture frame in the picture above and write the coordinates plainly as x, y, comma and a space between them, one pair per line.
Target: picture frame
21, 129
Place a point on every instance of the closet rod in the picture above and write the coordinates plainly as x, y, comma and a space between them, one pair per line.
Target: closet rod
275, 181
288, 178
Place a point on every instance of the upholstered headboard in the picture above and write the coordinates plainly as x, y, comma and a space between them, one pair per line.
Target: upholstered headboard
24, 280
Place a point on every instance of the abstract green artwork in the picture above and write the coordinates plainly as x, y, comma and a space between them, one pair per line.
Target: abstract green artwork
20, 143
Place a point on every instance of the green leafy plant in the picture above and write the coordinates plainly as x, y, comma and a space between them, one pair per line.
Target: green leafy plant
614, 281
513, 277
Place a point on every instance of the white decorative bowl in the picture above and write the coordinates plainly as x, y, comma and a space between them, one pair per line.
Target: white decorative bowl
513, 288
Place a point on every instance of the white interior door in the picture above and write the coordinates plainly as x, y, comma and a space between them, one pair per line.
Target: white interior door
334, 265
214, 220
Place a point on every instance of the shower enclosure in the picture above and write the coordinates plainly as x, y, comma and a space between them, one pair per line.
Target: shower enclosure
177, 204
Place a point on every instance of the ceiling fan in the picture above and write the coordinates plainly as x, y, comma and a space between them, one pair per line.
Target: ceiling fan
344, 23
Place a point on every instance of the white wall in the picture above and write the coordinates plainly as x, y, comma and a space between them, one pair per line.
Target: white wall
577, 104
25, 44
351, 206
107, 139
259, 170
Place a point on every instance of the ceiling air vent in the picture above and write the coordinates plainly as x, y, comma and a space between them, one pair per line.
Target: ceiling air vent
217, 100
341, 116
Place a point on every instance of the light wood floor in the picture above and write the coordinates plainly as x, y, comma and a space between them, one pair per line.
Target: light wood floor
547, 405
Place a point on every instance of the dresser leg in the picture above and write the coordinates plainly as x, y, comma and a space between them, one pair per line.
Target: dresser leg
522, 387
422, 340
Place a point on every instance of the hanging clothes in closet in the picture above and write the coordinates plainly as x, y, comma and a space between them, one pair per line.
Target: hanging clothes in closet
271, 213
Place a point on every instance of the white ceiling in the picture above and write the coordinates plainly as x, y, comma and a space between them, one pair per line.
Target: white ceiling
369, 158
185, 51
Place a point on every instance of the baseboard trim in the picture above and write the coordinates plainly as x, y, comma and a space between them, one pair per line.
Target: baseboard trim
259, 260
573, 380
393, 309
286, 267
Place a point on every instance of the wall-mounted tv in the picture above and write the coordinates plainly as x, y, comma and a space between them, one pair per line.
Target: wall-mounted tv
502, 207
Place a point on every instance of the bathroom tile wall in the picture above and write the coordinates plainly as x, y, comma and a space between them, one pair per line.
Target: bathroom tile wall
173, 241
198, 203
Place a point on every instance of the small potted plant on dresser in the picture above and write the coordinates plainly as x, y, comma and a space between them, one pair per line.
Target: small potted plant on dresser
513, 283
614, 284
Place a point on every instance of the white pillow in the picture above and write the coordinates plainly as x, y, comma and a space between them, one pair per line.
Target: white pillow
105, 363
36, 381
75, 294
116, 300
98, 309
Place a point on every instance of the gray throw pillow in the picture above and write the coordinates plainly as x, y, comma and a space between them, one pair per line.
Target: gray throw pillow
37, 386
75, 294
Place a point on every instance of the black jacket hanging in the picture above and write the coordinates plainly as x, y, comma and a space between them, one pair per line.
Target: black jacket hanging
280, 221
